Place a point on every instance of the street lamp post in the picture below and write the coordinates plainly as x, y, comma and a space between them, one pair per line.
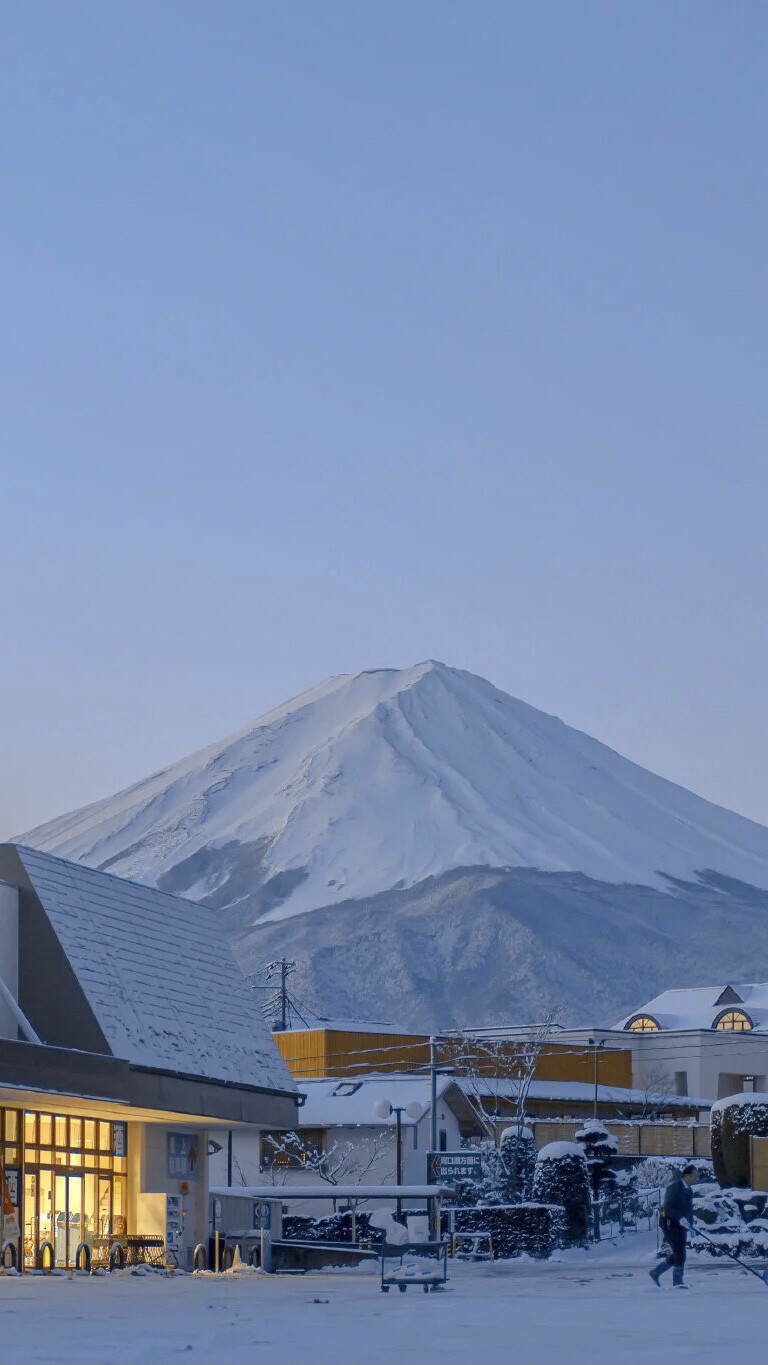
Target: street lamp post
414, 1110
593, 1043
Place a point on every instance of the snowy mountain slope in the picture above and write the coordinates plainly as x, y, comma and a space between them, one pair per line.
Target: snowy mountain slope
506, 947
383, 779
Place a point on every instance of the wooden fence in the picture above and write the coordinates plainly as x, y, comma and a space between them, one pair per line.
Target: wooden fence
634, 1137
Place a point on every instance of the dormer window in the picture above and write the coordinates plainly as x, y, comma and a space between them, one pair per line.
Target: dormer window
729, 997
642, 1023
734, 1021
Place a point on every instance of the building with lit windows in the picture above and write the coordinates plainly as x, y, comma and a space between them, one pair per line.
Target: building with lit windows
129, 1048
707, 1041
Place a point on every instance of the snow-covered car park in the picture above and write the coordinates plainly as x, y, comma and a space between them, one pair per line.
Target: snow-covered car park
582, 1306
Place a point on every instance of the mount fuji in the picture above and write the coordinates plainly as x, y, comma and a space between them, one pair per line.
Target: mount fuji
427, 846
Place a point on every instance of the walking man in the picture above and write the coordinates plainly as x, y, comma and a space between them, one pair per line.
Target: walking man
678, 1222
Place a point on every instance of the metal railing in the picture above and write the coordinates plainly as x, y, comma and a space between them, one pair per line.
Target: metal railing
626, 1211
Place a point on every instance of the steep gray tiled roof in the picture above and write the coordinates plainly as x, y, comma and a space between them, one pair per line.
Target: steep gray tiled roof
158, 975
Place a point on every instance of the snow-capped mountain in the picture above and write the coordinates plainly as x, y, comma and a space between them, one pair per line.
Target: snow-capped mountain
370, 784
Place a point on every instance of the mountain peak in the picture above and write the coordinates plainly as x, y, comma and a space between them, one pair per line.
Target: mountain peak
387, 777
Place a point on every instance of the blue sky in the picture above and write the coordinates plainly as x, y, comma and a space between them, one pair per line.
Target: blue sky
338, 336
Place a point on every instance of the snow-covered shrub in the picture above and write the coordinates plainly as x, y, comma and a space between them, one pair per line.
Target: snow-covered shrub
538, 1229
600, 1148
730, 1221
336, 1227
487, 1188
518, 1160
734, 1121
656, 1172
533, 1229
561, 1177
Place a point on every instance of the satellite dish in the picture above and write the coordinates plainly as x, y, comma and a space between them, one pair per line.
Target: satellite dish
382, 1109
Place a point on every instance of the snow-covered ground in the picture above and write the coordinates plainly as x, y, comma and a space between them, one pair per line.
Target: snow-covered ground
597, 1307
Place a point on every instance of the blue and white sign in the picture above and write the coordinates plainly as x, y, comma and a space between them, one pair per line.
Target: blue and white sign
183, 1156
119, 1139
445, 1167
13, 1180
262, 1213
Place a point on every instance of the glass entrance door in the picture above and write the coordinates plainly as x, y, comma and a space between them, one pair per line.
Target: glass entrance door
68, 1197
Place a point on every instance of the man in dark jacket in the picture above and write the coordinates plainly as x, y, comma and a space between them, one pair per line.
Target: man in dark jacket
678, 1220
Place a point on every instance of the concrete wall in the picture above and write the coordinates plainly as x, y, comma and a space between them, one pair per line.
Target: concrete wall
9, 956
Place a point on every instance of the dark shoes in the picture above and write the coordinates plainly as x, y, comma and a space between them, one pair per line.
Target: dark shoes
654, 1274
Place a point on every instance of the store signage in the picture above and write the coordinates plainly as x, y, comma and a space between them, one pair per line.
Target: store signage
183, 1156
447, 1167
12, 1180
174, 1226
119, 1138
262, 1213
10, 1205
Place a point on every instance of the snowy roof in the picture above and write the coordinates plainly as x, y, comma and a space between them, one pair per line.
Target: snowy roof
157, 975
698, 1007
351, 1100
575, 1090
326, 1191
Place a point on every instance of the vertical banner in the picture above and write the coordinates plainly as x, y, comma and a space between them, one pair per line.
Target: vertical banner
10, 1196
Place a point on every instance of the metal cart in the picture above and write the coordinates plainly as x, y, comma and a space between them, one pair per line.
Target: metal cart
418, 1264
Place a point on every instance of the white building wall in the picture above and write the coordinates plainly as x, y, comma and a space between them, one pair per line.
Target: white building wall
153, 1183
359, 1144
704, 1063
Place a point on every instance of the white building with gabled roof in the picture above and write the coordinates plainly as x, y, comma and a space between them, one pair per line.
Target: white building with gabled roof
726, 1008
128, 1038
705, 1041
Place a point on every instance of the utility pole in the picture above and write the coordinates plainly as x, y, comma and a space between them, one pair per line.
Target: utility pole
432, 1096
283, 994
280, 1000
593, 1043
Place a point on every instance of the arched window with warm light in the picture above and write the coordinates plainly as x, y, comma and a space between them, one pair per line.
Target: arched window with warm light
642, 1023
734, 1021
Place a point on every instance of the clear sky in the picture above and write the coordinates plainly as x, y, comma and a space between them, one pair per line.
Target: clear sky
342, 335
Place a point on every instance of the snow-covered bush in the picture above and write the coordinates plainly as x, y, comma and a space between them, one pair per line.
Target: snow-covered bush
656, 1172
734, 1121
600, 1148
730, 1220
561, 1177
515, 1229
507, 1170
518, 1160
336, 1227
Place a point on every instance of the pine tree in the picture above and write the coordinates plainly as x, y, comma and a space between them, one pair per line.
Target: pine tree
517, 1151
600, 1148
